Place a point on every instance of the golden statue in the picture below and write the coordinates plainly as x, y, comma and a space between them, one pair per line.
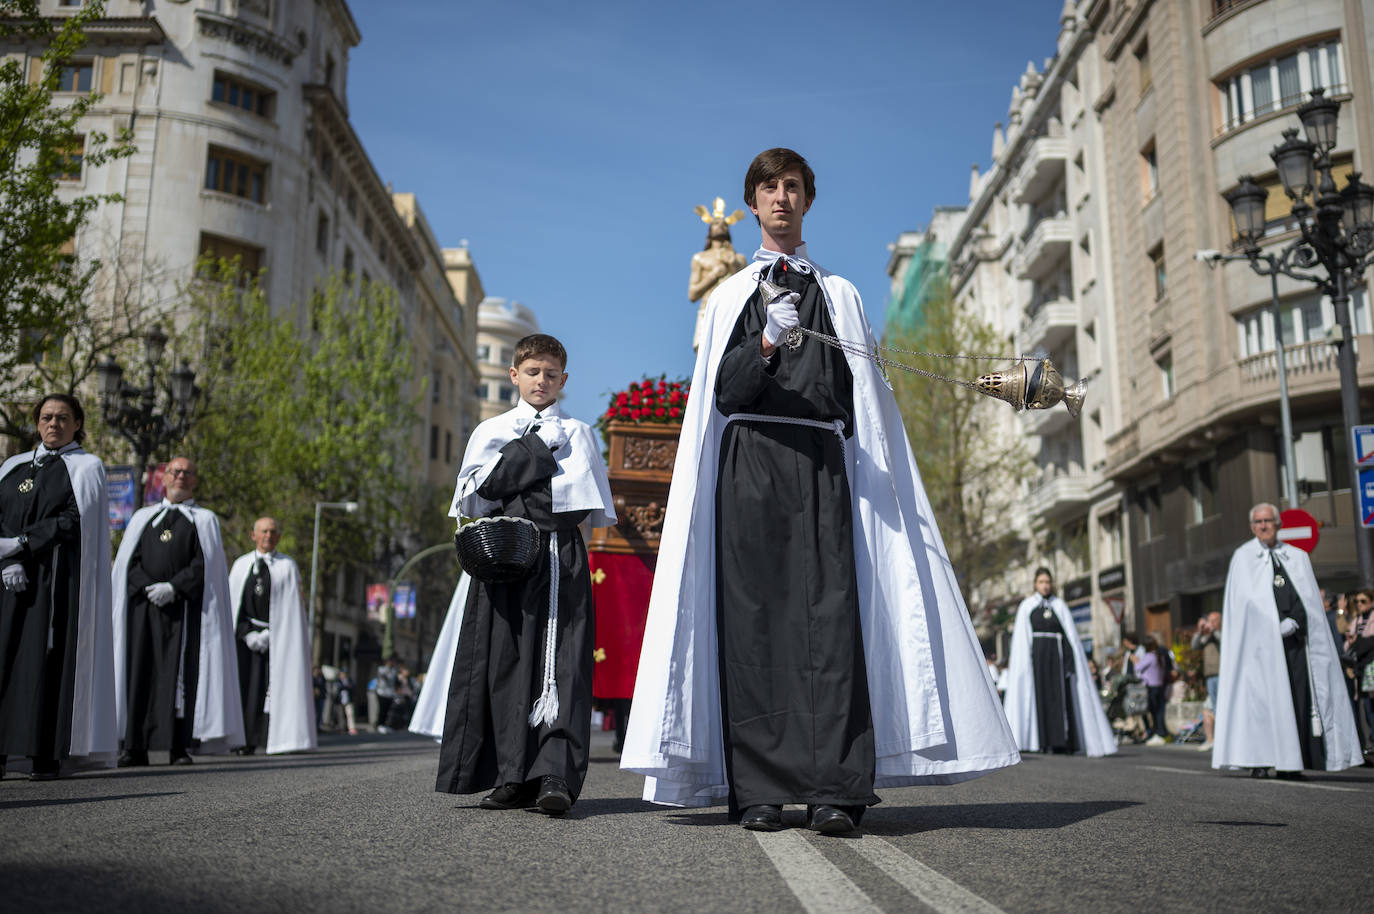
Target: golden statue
714, 263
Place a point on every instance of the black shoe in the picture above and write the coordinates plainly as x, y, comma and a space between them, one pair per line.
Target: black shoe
763, 817
45, 770
133, 760
509, 796
554, 798
828, 820
1290, 775
182, 759
245, 750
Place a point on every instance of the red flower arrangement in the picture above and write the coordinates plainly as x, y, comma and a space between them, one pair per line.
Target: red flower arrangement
656, 400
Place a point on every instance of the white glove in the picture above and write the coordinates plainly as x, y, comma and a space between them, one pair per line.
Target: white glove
254, 641
15, 579
264, 637
782, 317
159, 594
1288, 627
550, 431
9, 545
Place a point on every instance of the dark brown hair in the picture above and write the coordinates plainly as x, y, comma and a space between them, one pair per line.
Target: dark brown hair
771, 163
71, 403
537, 344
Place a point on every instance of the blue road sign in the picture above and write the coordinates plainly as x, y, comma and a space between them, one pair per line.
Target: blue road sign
1367, 497
1362, 436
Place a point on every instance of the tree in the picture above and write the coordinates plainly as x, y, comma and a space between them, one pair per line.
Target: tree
51, 332
973, 467
294, 415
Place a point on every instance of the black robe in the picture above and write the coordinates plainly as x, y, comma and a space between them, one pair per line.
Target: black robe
1052, 664
798, 727
163, 641
1295, 654
38, 626
254, 666
499, 668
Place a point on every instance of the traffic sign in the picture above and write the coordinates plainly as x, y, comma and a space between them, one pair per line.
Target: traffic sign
1300, 529
1362, 436
1367, 497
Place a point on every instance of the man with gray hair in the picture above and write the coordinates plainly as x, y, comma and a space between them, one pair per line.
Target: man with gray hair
1280, 699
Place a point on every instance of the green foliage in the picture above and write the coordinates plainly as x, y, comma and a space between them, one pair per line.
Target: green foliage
291, 415
47, 335
973, 473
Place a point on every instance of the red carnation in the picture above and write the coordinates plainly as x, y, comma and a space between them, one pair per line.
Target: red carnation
675, 412
626, 412
662, 387
659, 412
675, 397
622, 398
635, 399
610, 413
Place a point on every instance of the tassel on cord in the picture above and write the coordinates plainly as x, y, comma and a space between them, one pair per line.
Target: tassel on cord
545, 710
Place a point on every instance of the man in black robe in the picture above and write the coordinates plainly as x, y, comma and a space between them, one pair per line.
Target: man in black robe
252, 637
794, 690
519, 716
41, 569
1293, 628
166, 579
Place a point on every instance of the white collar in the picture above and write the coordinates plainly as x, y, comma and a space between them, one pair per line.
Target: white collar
185, 507
797, 259
524, 410
1280, 549
43, 452
268, 557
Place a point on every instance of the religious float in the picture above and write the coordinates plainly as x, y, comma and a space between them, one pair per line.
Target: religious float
640, 427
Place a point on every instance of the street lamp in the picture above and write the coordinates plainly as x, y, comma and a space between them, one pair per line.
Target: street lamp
350, 507
135, 413
1337, 234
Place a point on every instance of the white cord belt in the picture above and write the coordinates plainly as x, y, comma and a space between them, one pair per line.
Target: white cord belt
834, 425
545, 710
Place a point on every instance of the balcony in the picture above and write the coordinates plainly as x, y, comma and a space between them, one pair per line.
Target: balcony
1305, 361
1045, 422
1046, 245
1052, 325
1059, 495
1041, 169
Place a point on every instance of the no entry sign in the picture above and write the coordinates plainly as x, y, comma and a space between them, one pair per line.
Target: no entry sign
1299, 529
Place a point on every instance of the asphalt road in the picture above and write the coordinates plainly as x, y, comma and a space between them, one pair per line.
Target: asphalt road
358, 827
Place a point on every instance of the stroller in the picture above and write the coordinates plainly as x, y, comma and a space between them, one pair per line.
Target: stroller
1125, 702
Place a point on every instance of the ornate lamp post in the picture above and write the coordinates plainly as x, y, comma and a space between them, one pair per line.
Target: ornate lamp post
1337, 236
135, 413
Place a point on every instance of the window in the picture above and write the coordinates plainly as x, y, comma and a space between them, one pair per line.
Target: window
75, 76
448, 447
1149, 171
507, 394
1165, 364
249, 258
435, 382
69, 160
1306, 319
1202, 487
434, 442
1161, 275
227, 89
1278, 209
507, 355
367, 228
233, 173
322, 235
1142, 60
483, 352
1111, 538
1151, 513
348, 264
1281, 82
351, 201
483, 392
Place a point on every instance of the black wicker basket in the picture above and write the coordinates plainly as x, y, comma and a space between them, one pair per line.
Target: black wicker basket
498, 549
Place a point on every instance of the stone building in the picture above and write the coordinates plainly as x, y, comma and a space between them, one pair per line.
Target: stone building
500, 325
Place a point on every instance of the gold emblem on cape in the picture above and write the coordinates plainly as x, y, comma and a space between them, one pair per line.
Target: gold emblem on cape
26, 486
166, 536
1048, 613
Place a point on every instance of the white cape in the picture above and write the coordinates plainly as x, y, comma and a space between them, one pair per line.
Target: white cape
1092, 724
218, 717
579, 483
94, 739
290, 689
430, 707
1256, 727
936, 715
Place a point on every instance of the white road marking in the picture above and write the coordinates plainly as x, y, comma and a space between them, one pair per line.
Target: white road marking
925, 884
1275, 780
818, 884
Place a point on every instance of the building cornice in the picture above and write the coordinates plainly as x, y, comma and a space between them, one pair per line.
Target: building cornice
343, 18
334, 120
125, 30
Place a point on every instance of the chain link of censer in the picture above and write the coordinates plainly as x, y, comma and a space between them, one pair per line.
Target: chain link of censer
795, 336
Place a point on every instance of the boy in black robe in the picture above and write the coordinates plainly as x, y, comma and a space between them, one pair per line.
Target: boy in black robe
519, 719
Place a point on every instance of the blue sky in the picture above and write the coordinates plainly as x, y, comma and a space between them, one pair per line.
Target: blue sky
569, 142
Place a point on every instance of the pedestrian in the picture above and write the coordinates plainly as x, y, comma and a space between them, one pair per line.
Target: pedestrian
520, 701
1208, 641
175, 670
1052, 702
1151, 670
56, 646
273, 647
1281, 701
799, 563
344, 687
1359, 647
319, 687
385, 690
